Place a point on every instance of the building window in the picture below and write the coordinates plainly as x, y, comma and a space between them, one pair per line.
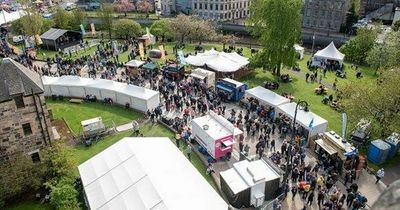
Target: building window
195, 5
221, 7
211, 6
35, 157
201, 6
19, 101
27, 129
221, 16
205, 6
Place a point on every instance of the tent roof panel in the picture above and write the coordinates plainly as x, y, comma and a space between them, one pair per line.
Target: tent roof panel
330, 52
53, 34
218, 61
135, 63
267, 96
142, 174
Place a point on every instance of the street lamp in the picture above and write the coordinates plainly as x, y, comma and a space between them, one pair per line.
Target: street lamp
301, 105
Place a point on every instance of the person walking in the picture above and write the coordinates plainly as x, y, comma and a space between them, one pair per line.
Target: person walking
272, 145
310, 198
320, 197
307, 76
189, 151
350, 198
294, 191
379, 175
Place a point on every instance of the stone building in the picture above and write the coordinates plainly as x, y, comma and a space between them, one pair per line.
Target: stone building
221, 10
324, 15
24, 118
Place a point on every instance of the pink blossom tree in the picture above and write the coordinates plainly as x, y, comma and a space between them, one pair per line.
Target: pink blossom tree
123, 6
145, 6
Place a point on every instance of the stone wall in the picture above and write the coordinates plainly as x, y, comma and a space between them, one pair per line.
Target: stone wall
12, 138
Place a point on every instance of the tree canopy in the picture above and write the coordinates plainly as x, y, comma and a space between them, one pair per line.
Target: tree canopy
123, 6
105, 15
162, 28
378, 102
357, 48
125, 28
385, 54
190, 28
277, 24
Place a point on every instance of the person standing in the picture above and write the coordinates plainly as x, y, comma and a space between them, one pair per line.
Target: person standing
272, 145
310, 198
320, 197
350, 198
294, 191
189, 151
379, 175
307, 76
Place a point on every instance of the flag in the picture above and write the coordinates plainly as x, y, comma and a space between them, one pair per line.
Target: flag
93, 28
141, 50
115, 48
311, 123
161, 47
181, 57
344, 124
148, 32
82, 29
38, 40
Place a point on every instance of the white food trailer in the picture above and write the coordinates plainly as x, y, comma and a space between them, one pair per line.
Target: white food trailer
204, 75
92, 126
215, 133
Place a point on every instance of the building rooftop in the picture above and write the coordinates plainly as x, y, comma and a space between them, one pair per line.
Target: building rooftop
17, 79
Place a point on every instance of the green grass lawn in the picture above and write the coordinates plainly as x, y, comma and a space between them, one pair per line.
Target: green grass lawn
43, 54
73, 114
302, 90
29, 205
83, 153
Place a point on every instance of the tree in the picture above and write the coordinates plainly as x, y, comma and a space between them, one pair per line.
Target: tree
182, 28
385, 54
357, 48
32, 23
277, 24
162, 28
123, 6
125, 28
19, 175
62, 19
105, 15
144, 6
377, 102
351, 18
79, 17
202, 30
63, 195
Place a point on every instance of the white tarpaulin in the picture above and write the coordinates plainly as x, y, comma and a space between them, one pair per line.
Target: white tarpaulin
135, 63
300, 50
139, 98
218, 61
6, 17
266, 96
329, 53
146, 173
310, 121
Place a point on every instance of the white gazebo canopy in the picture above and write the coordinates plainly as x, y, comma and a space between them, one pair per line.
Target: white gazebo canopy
146, 173
135, 63
218, 61
330, 53
6, 17
267, 96
310, 121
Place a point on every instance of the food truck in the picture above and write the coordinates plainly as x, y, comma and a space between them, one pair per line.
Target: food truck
208, 77
92, 127
216, 134
174, 71
335, 147
232, 89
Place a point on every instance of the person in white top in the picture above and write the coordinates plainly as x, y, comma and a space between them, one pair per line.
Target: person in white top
379, 175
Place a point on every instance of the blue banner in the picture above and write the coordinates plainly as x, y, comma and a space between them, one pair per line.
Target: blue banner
82, 29
181, 57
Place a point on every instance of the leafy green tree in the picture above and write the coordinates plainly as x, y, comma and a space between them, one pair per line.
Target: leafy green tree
351, 18
162, 28
125, 28
105, 15
19, 175
385, 54
78, 18
277, 24
182, 27
32, 23
63, 195
47, 24
62, 19
378, 102
60, 161
202, 30
357, 48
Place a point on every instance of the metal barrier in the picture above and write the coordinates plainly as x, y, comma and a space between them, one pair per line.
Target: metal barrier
274, 204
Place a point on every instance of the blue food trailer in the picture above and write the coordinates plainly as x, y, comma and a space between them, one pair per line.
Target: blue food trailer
230, 90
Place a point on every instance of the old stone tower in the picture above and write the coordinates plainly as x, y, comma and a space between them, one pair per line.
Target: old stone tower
24, 118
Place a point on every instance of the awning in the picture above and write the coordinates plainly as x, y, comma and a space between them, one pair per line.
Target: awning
150, 66
326, 147
224, 88
237, 131
197, 76
228, 142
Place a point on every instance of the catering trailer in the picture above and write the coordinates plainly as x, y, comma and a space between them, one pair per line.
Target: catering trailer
208, 77
215, 134
230, 89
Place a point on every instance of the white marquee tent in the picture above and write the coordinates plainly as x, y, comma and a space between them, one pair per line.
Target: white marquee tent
139, 98
308, 120
329, 53
6, 17
218, 61
266, 96
146, 173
